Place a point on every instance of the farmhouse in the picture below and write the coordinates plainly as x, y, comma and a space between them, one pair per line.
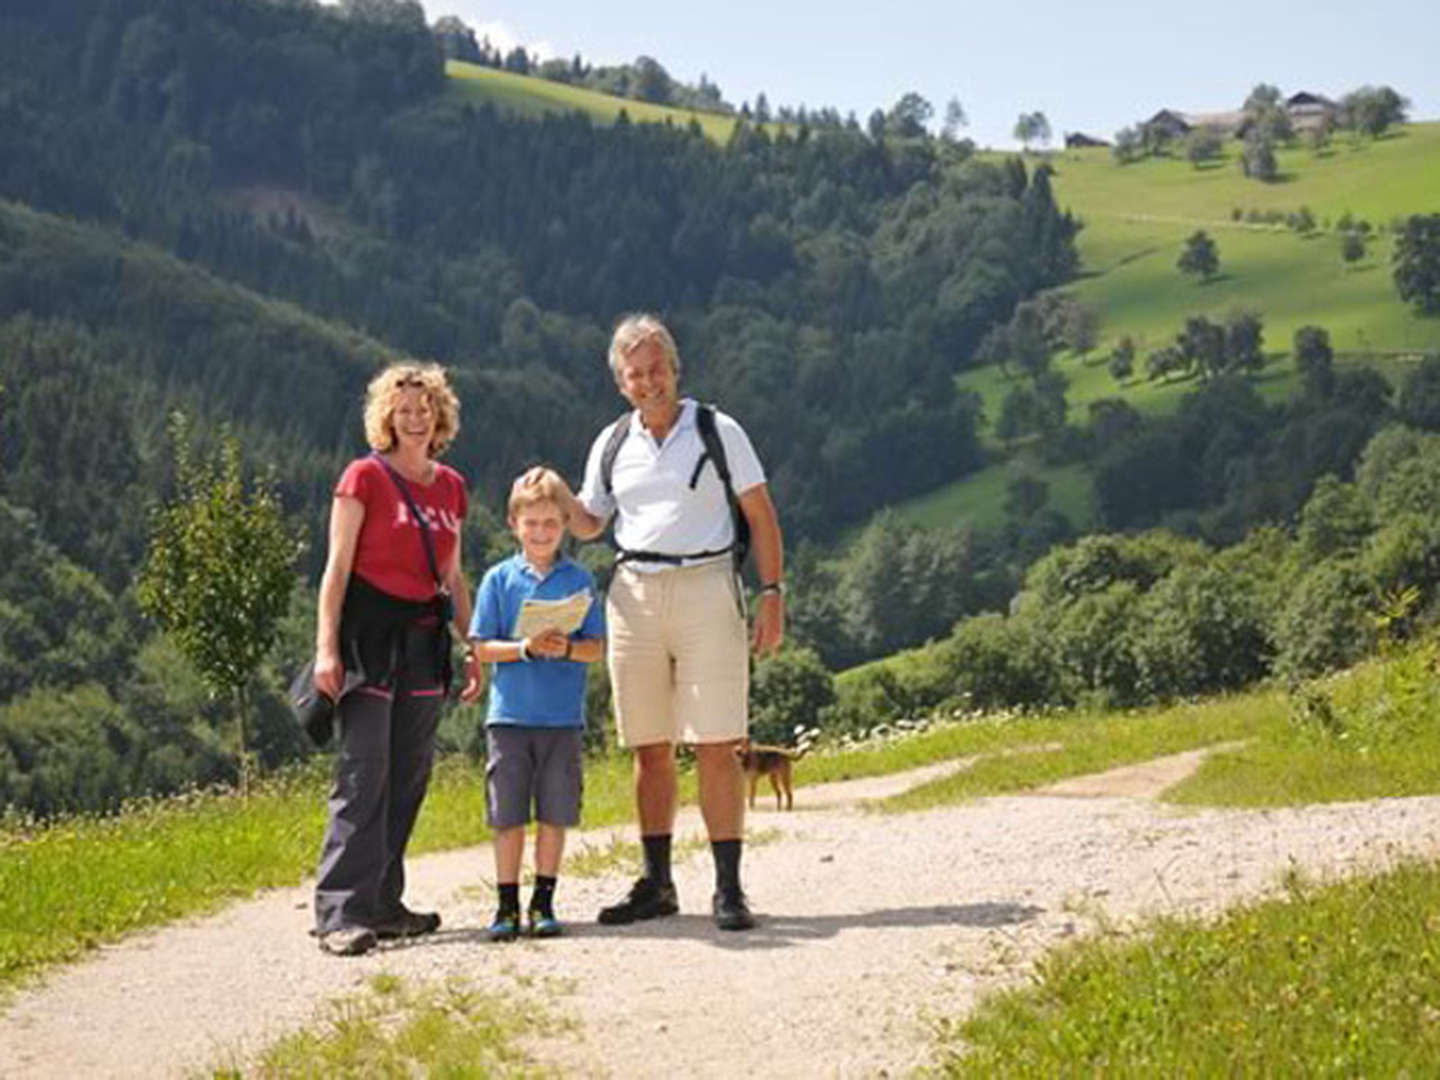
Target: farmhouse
1309, 110
1079, 140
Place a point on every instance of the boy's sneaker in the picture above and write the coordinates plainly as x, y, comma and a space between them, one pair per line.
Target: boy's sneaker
505, 926
646, 900
348, 941
731, 910
542, 924
408, 924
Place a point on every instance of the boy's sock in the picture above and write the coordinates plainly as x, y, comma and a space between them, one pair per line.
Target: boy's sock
657, 858
542, 900
509, 897
727, 865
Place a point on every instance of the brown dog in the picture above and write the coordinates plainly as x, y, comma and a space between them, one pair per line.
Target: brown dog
774, 762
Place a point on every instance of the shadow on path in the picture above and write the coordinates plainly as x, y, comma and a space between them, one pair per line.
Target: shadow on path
777, 931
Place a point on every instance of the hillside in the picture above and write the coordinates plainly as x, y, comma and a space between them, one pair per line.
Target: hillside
1136, 218
533, 97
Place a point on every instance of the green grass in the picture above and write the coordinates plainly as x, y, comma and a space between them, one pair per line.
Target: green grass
1136, 219
1334, 981
533, 97
1374, 180
69, 887
391, 1028
979, 501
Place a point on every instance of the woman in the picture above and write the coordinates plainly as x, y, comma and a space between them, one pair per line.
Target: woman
392, 582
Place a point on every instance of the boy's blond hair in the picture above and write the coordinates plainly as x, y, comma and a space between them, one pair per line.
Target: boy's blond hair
525, 492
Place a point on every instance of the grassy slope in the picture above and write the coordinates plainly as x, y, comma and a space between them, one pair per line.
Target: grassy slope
534, 97
1136, 219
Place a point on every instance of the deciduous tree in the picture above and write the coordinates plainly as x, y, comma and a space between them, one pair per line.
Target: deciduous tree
1200, 256
219, 573
1417, 262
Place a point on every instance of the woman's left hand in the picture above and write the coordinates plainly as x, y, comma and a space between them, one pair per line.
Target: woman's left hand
474, 678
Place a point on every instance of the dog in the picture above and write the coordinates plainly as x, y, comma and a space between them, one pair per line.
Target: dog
774, 762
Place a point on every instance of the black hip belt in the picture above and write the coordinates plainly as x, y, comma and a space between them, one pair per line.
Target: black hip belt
670, 560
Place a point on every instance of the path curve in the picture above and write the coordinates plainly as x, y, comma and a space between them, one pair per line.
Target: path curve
872, 925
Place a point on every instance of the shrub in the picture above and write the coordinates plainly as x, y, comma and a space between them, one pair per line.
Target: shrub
1326, 622
789, 690
1092, 641
1201, 629
993, 662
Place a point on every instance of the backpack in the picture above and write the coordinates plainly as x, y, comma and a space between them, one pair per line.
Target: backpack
714, 452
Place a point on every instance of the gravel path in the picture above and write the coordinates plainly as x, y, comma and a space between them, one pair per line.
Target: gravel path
871, 925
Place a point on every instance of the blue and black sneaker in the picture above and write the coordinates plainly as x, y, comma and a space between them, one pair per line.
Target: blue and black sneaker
540, 923
505, 926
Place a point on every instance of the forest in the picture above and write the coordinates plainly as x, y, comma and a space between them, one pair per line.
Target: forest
239, 210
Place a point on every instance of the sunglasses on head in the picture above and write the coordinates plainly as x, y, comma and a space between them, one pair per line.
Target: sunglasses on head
408, 382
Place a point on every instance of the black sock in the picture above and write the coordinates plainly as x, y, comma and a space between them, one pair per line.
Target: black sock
509, 896
657, 858
727, 864
543, 898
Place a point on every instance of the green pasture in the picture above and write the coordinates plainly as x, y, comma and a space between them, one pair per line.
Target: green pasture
1136, 219
979, 500
1371, 179
533, 97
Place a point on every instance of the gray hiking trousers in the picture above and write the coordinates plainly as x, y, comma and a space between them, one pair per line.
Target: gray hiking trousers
387, 747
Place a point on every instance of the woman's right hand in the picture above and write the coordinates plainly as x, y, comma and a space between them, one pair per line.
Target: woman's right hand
329, 673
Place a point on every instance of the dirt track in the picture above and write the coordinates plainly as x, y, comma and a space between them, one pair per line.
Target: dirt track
871, 925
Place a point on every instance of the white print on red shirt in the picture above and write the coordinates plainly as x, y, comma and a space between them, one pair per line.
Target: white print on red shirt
437, 518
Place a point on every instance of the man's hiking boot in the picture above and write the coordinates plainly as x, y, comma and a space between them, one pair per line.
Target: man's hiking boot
731, 910
646, 900
408, 924
348, 941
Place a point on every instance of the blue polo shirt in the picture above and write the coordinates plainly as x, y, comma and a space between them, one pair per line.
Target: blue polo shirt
542, 692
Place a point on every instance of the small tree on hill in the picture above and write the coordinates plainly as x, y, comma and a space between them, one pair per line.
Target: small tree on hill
1202, 145
1129, 145
955, 119
1352, 246
1417, 262
1244, 341
908, 116
219, 573
1032, 127
1257, 160
1122, 359
1315, 360
1200, 256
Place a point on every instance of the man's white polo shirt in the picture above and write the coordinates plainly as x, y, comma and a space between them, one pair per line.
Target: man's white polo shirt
657, 509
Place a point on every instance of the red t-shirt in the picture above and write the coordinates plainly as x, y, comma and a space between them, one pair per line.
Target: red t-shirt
390, 553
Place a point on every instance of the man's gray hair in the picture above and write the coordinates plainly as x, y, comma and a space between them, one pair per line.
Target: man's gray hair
632, 331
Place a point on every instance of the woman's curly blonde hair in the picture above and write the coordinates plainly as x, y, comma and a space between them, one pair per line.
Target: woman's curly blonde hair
383, 395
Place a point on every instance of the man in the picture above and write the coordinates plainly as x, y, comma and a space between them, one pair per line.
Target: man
677, 645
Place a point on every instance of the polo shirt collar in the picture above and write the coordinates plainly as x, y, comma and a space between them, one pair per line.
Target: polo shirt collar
523, 565
686, 419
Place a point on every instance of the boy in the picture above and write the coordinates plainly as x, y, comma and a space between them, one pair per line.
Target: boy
535, 724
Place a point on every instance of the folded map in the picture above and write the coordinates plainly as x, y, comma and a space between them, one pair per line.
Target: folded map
565, 615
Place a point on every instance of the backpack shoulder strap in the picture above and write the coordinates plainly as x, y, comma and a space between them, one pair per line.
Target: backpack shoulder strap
612, 451
715, 451
714, 446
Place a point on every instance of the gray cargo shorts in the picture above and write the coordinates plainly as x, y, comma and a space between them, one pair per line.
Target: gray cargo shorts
535, 767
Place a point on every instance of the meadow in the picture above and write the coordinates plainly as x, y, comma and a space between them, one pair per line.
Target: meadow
1136, 218
534, 97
